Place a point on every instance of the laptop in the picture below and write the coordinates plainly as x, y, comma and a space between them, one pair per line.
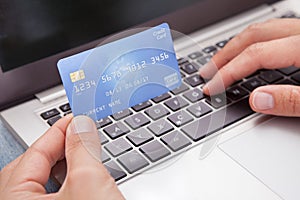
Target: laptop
219, 148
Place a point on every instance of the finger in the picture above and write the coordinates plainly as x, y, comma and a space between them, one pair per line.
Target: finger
86, 177
36, 163
8, 170
255, 33
270, 55
283, 100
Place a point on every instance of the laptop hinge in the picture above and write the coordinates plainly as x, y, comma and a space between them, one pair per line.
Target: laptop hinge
51, 94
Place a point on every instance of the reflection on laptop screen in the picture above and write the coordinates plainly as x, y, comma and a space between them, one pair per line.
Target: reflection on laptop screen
32, 30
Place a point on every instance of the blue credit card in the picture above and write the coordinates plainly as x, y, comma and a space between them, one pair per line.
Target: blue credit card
110, 78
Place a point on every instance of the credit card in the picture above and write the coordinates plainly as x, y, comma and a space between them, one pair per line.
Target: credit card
111, 78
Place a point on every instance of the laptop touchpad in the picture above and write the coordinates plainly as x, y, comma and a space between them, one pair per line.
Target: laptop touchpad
271, 152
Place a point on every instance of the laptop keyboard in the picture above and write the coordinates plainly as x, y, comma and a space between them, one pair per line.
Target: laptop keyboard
151, 132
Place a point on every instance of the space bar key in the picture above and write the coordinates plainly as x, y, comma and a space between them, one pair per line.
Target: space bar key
218, 120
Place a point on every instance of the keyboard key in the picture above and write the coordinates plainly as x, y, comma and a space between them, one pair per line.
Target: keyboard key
53, 120
50, 113
286, 82
122, 114
157, 112
180, 118
188, 68
182, 61
222, 43
116, 130
154, 151
182, 75
176, 141
194, 95
103, 138
253, 74
139, 137
182, 88
176, 103
252, 84
115, 171
210, 49
160, 127
296, 77
137, 120
217, 101
205, 126
199, 109
161, 98
289, 15
289, 70
118, 147
195, 55
236, 93
204, 60
142, 106
196, 65
270, 76
104, 156
65, 108
133, 161
194, 80
69, 112
103, 122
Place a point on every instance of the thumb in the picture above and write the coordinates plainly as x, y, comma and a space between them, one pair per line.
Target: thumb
82, 152
283, 100
86, 177
83, 147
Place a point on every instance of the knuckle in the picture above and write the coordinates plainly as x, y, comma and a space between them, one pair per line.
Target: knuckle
271, 21
253, 27
236, 38
294, 40
231, 73
236, 41
294, 43
252, 31
221, 55
293, 101
254, 50
42, 154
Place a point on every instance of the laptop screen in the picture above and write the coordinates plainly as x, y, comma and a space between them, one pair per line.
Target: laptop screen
32, 30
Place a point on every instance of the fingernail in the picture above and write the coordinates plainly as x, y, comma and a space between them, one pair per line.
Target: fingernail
205, 88
82, 124
263, 101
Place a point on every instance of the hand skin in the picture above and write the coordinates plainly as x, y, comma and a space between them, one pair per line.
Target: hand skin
75, 139
269, 45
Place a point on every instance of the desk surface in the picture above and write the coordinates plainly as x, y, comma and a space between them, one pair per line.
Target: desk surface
9, 147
